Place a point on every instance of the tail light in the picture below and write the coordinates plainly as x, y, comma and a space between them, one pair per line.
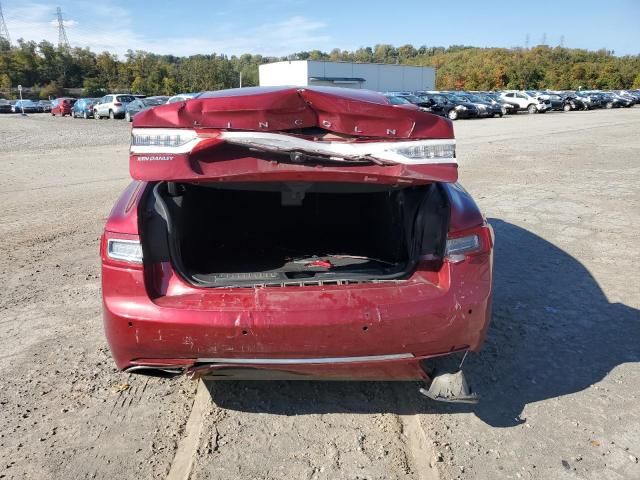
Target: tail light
160, 140
117, 104
121, 249
469, 243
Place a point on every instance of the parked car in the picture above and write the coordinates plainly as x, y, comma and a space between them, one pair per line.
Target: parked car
461, 108
507, 108
26, 106
5, 106
621, 100
181, 97
589, 100
485, 107
45, 106
572, 102
112, 106
62, 106
411, 98
83, 108
526, 101
628, 95
633, 94
232, 255
555, 100
142, 104
438, 103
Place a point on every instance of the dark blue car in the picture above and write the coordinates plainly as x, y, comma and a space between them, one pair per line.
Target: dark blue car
83, 108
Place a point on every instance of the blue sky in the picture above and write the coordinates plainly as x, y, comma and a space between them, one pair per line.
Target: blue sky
280, 27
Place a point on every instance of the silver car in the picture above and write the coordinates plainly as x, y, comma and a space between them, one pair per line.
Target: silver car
112, 105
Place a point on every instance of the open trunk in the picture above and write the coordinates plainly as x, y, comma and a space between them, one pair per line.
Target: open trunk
243, 234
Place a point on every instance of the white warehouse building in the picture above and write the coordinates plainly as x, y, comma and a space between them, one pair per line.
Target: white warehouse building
373, 76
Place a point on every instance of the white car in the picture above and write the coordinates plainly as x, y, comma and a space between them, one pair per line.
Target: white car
526, 101
112, 106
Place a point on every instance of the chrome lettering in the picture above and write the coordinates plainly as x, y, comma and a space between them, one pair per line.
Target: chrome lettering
326, 123
391, 131
263, 124
357, 130
228, 124
298, 122
154, 158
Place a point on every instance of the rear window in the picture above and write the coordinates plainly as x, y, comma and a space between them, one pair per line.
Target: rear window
397, 100
125, 98
153, 101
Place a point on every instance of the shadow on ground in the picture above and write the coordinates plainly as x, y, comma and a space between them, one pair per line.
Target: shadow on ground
553, 333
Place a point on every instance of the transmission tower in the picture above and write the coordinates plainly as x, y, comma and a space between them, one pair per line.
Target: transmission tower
63, 41
4, 32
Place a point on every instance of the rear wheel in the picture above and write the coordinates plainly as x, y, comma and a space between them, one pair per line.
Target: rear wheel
567, 107
111, 115
127, 117
532, 109
85, 115
609, 104
453, 114
96, 115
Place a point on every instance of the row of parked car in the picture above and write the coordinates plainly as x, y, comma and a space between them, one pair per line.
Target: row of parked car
451, 104
461, 104
110, 106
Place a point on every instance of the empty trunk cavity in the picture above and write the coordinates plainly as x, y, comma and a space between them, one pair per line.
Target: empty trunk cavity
275, 233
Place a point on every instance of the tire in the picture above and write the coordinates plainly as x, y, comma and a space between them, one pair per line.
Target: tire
610, 105
567, 107
127, 117
452, 114
111, 115
96, 116
532, 109
85, 115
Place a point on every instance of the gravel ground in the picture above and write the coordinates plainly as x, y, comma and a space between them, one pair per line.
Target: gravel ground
559, 374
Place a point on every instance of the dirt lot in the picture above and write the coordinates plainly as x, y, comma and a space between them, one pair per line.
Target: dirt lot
560, 373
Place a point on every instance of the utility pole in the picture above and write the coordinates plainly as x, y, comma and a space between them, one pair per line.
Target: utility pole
561, 41
4, 32
63, 41
526, 42
240, 78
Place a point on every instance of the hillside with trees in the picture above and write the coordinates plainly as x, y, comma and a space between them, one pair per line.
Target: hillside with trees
47, 70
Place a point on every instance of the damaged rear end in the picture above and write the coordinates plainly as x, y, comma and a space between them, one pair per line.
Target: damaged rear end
294, 233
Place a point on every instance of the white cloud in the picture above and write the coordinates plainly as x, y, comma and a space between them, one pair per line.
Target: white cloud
99, 31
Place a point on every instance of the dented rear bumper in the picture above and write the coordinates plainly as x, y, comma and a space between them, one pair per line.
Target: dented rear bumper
369, 331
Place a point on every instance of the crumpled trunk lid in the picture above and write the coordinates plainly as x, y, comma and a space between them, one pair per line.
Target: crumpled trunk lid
292, 134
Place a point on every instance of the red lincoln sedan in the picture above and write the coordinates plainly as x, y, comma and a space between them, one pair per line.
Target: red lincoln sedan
295, 233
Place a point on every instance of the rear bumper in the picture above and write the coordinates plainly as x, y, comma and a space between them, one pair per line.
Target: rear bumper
364, 331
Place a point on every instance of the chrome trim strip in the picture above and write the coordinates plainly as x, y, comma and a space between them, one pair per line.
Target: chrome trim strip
304, 361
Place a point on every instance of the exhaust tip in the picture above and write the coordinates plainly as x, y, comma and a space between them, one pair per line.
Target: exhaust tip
155, 371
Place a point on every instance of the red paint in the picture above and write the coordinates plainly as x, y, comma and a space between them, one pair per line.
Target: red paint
63, 107
153, 317
361, 114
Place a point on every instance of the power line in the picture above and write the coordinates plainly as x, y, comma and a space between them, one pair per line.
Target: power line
63, 41
4, 32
